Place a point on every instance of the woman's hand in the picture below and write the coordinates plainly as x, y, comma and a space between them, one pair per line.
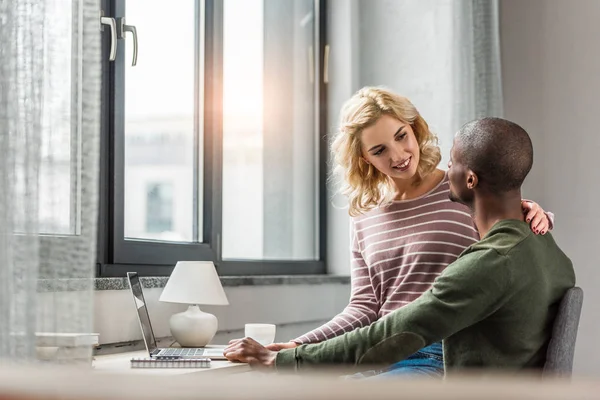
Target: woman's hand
282, 346
535, 216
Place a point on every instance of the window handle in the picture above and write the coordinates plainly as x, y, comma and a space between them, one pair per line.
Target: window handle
129, 28
113, 35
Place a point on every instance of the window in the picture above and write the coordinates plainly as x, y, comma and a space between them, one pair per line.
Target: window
269, 137
214, 142
158, 114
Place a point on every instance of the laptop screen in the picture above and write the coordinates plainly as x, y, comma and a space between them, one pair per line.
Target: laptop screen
140, 305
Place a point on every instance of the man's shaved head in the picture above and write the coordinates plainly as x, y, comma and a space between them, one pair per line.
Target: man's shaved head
498, 151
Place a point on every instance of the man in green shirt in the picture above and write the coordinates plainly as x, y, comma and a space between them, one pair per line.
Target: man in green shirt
494, 306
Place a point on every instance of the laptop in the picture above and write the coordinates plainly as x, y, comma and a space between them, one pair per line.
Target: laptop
148, 334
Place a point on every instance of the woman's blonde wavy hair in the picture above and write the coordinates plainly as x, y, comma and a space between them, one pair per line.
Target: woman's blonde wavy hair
366, 187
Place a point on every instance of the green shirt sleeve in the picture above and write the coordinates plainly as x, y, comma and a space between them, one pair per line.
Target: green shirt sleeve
468, 290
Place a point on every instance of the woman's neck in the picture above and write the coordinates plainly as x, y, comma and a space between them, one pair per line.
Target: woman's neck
406, 189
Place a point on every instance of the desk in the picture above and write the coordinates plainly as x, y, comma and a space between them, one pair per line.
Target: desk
120, 363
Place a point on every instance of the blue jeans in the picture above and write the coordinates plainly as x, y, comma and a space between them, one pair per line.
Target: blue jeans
427, 362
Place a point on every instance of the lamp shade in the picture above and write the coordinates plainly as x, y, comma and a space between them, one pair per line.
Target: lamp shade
194, 282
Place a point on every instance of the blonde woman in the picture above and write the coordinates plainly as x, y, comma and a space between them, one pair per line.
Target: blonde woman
405, 229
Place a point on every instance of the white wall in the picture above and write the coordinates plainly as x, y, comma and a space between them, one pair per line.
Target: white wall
551, 82
294, 308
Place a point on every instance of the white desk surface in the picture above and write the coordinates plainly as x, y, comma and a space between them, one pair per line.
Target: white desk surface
120, 363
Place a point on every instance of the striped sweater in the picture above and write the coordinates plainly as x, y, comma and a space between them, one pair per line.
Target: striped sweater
397, 252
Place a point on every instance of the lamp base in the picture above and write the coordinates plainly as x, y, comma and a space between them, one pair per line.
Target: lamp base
193, 327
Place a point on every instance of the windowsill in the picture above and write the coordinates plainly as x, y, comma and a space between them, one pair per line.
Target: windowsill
67, 285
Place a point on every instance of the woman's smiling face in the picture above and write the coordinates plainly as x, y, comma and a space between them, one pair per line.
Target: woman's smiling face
391, 147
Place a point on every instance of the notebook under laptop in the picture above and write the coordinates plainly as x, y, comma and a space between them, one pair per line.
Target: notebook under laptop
148, 334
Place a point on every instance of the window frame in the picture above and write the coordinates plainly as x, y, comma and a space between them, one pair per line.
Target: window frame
116, 256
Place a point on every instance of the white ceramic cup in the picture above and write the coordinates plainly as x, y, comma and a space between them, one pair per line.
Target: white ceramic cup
262, 333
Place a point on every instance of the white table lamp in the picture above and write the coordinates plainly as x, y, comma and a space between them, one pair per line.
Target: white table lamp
194, 283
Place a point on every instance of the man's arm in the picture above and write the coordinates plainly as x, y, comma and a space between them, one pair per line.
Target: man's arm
470, 289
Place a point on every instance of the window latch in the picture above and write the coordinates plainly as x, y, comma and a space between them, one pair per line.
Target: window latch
110, 22
129, 28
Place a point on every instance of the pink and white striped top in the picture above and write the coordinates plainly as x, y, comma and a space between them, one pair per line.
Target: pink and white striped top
397, 252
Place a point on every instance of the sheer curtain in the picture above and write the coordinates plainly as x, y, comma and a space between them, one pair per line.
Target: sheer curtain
49, 144
476, 64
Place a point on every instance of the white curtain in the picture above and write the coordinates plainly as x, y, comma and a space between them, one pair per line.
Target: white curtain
49, 143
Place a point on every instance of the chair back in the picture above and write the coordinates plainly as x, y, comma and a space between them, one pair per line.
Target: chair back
561, 349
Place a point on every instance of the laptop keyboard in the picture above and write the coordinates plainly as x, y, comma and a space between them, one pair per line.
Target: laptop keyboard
172, 352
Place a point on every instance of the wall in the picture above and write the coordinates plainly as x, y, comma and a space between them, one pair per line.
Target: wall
550, 64
294, 308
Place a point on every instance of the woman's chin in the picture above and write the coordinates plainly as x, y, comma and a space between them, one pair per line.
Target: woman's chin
409, 173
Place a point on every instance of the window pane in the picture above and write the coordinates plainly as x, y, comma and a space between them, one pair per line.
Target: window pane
269, 137
159, 123
159, 208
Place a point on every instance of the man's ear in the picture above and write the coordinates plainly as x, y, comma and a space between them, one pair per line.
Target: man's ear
472, 180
